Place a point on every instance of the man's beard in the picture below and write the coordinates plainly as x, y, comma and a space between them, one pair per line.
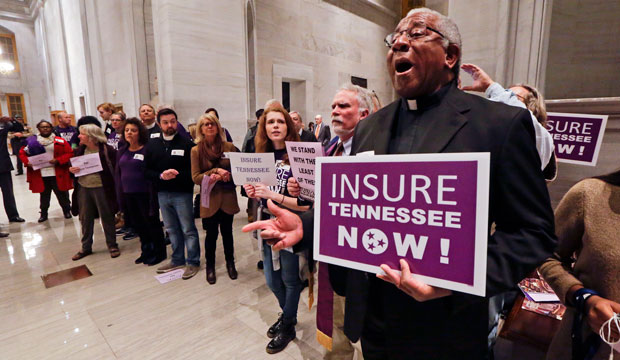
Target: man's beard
339, 130
170, 131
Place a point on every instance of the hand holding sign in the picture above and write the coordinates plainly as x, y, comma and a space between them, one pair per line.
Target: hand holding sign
263, 192
249, 190
410, 285
293, 187
285, 229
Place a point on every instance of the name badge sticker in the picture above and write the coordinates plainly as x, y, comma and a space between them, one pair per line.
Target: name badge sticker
178, 152
155, 135
60, 141
138, 157
108, 130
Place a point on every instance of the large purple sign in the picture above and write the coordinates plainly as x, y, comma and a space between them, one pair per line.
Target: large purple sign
430, 209
577, 137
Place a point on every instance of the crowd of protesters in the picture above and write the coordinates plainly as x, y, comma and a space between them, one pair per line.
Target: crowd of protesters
150, 166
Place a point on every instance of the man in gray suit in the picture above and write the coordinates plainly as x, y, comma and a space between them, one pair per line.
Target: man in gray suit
304, 135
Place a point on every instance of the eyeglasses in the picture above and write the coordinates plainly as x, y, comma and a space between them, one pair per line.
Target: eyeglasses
208, 124
415, 33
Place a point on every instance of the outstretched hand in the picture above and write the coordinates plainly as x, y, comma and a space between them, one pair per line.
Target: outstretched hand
284, 231
410, 285
482, 80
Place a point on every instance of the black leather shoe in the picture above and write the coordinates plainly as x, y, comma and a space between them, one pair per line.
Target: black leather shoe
67, 214
156, 261
43, 218
3, 234
211, 276
259, 265
281, 340
232, 272
139, 260
16, 219
276, 327
130, 235
19, 173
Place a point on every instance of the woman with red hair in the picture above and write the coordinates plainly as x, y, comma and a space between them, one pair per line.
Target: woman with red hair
281, 268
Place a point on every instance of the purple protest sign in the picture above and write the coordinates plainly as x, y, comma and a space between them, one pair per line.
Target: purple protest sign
577, 137
430, 209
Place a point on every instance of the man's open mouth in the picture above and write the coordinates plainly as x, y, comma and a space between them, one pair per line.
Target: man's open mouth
403, 65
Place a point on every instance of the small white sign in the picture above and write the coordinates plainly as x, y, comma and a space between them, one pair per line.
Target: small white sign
178, 152
88, 164
169, 276
41, 161
253, 168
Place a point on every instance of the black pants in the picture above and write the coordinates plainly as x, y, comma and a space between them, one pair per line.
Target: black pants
147, 226
397, 327
6, 184
224, 221
20, 165
63, 196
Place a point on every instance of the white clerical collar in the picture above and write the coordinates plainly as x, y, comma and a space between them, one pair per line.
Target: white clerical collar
151, 126
346, 146
412, 104
301, 131
168, 138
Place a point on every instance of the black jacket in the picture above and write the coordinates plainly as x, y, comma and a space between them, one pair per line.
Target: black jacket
5, 160
175, 154
456, 326
307, 136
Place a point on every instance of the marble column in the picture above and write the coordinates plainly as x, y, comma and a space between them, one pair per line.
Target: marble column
201, 61
507, 38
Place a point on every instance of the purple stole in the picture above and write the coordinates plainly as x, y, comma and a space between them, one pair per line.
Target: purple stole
325, 302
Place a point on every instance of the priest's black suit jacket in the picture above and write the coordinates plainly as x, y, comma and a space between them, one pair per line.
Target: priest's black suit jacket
455, 327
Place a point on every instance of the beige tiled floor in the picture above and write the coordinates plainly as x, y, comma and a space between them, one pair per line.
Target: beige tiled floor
122, 311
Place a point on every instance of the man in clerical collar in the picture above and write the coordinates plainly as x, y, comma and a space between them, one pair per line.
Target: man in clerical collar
402, 317
304, 135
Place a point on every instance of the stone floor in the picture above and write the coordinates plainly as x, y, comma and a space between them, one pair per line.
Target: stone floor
122, 312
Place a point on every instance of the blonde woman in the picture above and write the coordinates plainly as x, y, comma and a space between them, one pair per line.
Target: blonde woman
207, 160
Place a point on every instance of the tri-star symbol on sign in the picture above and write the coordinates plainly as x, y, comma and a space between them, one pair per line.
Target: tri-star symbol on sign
375, 241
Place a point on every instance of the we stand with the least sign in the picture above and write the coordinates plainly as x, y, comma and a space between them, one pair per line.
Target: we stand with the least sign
302, 157
429, 209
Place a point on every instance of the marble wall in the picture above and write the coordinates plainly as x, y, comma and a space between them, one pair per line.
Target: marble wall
201, 63
584, 51
322, 44
30, 79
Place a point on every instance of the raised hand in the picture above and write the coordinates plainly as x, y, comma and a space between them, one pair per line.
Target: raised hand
481, 79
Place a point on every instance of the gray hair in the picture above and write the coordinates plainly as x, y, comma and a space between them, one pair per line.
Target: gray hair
94, 132
364, 100
450, 31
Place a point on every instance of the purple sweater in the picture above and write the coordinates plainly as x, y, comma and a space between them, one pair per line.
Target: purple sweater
131, 164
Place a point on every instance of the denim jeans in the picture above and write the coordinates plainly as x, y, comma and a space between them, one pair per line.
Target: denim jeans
284, 283
177, 211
